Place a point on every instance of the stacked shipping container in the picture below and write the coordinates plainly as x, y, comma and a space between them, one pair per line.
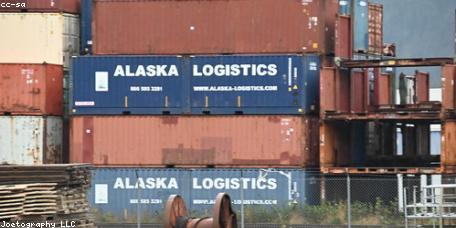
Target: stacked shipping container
221, 84
41, 37
268, 79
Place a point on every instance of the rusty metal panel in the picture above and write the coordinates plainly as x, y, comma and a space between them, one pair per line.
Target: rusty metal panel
30, 140
343, 91
343, 37
194, 141
69, 6
358, 91
421, 86
375, 31
448, 155
448, 91
334, 144
213, 27
382, 87
32, 89
39, 38
327, 90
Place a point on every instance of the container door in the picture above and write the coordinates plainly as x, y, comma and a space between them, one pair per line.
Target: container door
421, 86
375, 29
358, 91
448, 91
360, 26
328, 90
343, 37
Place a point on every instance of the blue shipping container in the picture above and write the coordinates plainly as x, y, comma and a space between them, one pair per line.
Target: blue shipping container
133, 191
344, 7
86, 27
360, 26
259, 84
285, 84
121, 84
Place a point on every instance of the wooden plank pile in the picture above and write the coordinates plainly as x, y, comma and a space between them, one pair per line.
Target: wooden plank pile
52, 193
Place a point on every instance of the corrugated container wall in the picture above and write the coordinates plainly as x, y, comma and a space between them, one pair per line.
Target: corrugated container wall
30, 140
39, 38
259, 84
33, 89
277, 141
360, 26
213, 27
68, 6
86, 27
125, 192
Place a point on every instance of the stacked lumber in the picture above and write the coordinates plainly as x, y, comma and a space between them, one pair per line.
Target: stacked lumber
52, 193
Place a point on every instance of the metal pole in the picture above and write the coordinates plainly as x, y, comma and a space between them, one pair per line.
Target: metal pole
138, 213
348, 202
441, 206
405, 207
242, 199
414, 205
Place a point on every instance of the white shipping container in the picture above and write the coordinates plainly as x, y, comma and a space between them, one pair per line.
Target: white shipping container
38, 37
30, 140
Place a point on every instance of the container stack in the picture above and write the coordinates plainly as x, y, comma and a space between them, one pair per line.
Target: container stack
375, 118
197, 92
201, 84
39, 38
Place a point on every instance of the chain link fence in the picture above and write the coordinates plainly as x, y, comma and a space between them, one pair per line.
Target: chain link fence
323, 201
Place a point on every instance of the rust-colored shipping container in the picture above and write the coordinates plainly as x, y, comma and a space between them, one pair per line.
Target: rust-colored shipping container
448, 155
327, 90
343, 38
448, 91
343, 91
375, 30
421, 86
276, 141
358, 91
213, 27
32, 89
334, 90
382, 87
68, 6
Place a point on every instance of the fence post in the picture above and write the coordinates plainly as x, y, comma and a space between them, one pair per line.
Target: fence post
348, 201
242, 199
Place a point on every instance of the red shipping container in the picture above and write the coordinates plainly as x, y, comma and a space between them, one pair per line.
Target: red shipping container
375, 28
68, 6
358, 91
448, 155
31, 89
421, 86
382, 87
327, 90
343, 37
288, 141
448, 91
213, 27
343, 91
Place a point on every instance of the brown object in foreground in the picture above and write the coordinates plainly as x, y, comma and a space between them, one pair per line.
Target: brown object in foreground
237, 141
32, 89
213, 27
223, 216
46, 193
68, 6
